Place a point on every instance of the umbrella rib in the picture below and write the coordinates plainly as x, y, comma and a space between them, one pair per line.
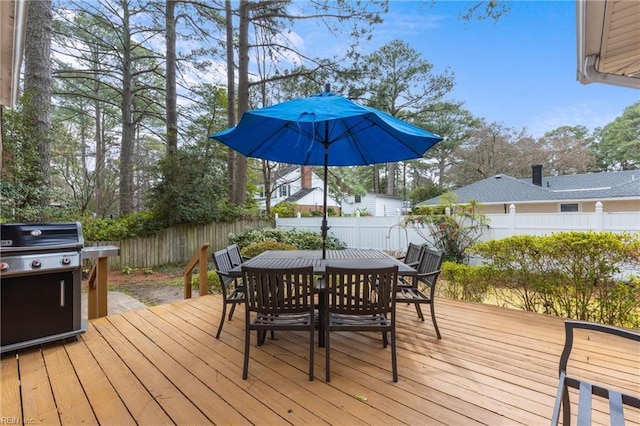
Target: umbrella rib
349, 133
272, 138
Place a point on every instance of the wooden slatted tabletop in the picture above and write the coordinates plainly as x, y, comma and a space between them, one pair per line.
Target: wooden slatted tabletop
347, 257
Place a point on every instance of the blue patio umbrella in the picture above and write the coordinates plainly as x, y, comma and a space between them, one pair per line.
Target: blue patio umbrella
326, 130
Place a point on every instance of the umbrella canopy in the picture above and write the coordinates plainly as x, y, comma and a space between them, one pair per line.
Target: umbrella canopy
326, 130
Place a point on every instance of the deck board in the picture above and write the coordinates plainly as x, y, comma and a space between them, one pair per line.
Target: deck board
143, 407
163, 365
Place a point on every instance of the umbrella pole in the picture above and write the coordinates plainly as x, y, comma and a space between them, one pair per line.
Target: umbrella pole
325, 225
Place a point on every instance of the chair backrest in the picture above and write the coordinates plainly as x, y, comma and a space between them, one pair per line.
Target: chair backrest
279, 291
617, 398
363, 291
223, 265
430, 264
234, 254
413, 255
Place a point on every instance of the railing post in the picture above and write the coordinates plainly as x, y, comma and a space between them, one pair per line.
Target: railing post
204, 288
187, 285
97, 292
199, 257
599, 217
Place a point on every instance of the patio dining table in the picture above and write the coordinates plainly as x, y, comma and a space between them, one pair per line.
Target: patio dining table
299, 258
350, 258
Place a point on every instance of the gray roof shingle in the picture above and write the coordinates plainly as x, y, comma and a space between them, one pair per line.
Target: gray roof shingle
506, 189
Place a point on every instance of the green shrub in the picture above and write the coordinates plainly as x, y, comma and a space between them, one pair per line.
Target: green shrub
303, 239
464, 282
568, 274
286, 209
213, 282
257, 248
138, 224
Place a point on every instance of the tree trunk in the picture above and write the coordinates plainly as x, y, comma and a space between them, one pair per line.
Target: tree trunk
240, 178
126, 149
231, 95
99, 140
37, 99
171, 97
391, 178
376, 179
266, 178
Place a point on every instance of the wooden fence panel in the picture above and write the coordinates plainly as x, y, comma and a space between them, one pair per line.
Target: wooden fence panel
174, 245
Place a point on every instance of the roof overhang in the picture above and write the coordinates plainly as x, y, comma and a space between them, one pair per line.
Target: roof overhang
13, 19
608, 42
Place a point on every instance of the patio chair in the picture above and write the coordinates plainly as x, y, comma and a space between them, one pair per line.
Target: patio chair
420, 289
352, 303
586, 389
282, 299
413, 255
232, 288
234, 254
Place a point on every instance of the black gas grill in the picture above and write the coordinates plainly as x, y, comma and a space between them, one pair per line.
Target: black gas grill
40, 283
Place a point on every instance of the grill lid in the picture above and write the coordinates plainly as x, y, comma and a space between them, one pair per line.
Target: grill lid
16, 236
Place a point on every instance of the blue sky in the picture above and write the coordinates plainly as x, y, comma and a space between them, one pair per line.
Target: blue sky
520, 71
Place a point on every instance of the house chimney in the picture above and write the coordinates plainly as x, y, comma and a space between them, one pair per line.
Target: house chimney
536, 172
305, 176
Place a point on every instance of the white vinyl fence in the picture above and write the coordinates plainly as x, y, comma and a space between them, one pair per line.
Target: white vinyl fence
389, 232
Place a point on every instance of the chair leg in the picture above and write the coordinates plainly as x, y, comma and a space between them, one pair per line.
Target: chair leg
433, 318
247, 337
262, 336
394, 360
233, 308
419, 311
224, 313
311, 350
327, 356
566, 407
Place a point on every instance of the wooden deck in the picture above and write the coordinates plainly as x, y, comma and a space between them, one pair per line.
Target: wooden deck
162, 365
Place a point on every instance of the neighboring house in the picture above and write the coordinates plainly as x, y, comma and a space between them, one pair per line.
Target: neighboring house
373, 205
617, 191
299, 185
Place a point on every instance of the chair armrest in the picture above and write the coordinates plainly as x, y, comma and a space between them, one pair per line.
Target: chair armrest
428, 274
226, 279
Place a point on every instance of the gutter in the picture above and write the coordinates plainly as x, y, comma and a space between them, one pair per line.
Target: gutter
19, 29
592, 75
586, 63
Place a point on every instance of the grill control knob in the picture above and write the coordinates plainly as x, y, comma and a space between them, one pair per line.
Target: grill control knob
36, 264
66, 260
4, 267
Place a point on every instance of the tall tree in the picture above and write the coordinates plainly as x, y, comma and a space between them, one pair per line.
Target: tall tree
37, 100
398, 80
231, 94
270, 18
104, 47
568, 151
618, 147
491, 149
456, 125
170, 76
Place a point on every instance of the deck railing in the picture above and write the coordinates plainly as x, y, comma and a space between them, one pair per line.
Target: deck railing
200, 258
